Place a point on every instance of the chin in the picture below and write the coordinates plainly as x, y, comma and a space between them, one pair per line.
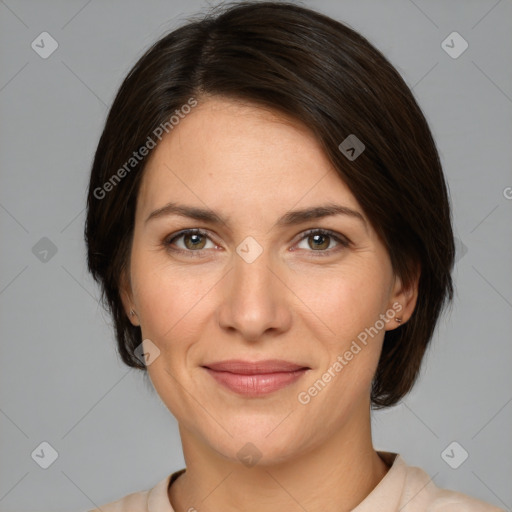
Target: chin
261, 446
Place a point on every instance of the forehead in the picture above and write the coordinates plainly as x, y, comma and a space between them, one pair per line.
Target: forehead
227, 154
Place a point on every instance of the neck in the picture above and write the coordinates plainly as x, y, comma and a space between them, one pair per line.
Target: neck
334, 476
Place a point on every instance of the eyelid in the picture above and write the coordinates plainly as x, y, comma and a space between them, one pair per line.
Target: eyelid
190, 231
342, 240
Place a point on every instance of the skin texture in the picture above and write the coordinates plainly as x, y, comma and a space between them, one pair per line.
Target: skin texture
290, 303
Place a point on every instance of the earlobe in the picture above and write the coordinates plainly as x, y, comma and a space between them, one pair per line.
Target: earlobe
133, 314
407, 298
126, 298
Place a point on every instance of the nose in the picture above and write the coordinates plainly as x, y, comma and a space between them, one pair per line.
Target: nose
255, 299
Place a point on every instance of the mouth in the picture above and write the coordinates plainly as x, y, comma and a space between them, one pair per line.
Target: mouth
253, 379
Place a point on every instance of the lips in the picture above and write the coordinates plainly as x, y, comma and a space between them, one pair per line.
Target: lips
253, 368
254, 379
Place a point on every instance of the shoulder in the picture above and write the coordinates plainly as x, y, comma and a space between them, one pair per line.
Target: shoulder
153, 499
421, 493
134, 502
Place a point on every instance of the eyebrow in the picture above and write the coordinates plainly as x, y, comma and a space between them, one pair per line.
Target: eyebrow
290, 218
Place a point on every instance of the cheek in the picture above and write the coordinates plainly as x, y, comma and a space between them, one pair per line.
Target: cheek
347, 304
344, 301
175, 304
347, 308
164, 296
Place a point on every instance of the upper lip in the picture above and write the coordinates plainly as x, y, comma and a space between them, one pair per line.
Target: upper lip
254, 367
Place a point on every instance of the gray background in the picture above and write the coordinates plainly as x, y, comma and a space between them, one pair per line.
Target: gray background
61, 380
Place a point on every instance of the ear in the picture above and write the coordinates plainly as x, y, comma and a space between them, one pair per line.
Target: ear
403, 299
126, 295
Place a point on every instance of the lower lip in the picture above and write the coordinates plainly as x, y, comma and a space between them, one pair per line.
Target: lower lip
258, 384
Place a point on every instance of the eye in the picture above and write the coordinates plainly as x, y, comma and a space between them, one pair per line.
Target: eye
194, 241
319, 241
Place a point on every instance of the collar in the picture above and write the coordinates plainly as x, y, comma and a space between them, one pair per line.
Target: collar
384, 497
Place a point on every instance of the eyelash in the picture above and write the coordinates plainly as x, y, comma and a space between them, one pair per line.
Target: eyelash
344, 242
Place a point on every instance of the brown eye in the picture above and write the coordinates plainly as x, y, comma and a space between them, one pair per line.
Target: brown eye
194, 240
319, 240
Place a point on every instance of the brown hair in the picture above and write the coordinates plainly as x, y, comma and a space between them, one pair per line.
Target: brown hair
299, 62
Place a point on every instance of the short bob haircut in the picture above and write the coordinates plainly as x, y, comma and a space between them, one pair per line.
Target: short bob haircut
318, 71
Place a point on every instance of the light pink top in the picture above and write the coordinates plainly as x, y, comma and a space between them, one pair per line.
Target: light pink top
404, 488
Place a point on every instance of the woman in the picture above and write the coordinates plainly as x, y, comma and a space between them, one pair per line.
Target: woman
270, 226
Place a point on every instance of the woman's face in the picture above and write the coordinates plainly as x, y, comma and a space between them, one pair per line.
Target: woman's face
256, 286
